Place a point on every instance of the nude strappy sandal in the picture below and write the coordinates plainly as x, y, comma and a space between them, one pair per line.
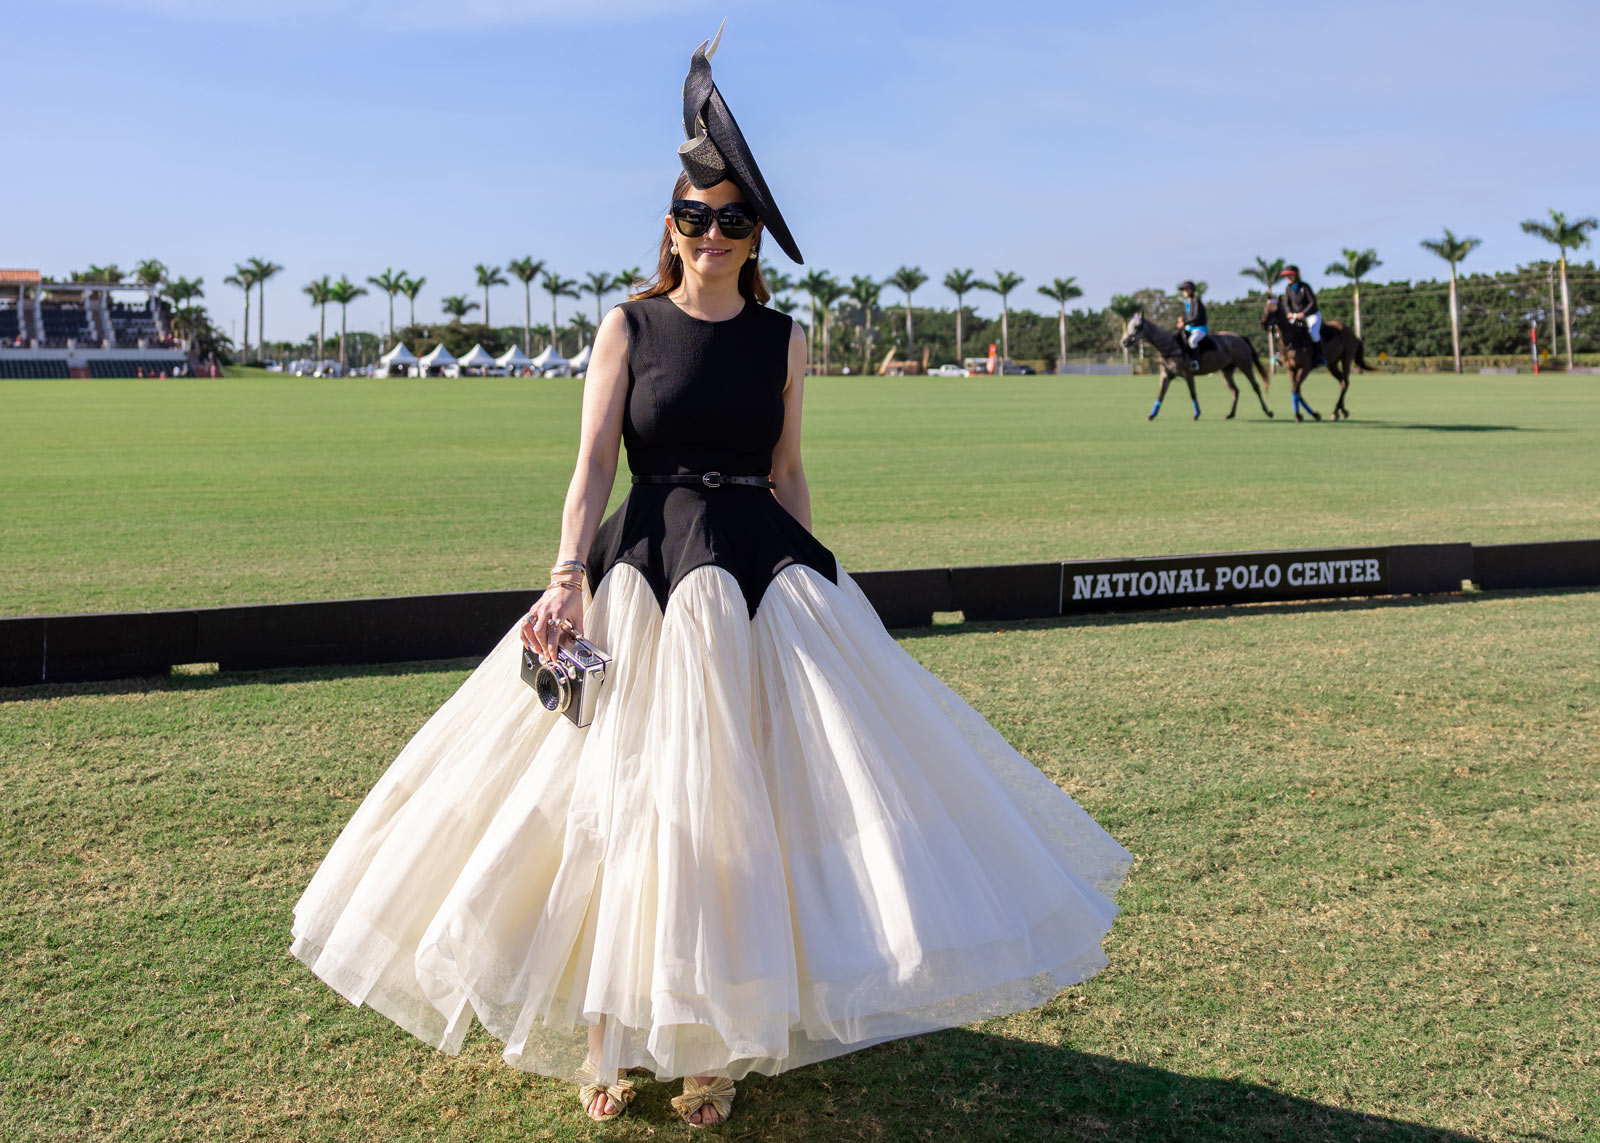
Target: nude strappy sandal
620, 1092
718, 1093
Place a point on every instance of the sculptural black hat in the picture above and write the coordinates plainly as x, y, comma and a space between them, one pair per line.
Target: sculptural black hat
716, 149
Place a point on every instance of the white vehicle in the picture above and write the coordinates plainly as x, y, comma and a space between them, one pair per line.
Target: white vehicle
949, 371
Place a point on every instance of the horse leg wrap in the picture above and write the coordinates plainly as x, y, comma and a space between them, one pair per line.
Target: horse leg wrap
1196, 405
1154, 409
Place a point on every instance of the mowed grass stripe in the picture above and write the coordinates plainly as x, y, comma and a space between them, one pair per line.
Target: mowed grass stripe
1364, 904
146, 494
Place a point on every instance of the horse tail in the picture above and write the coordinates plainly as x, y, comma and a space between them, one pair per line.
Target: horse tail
1266, 378
1361, 361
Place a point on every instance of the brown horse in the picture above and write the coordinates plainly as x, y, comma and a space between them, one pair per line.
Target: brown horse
1220, 352
1341, 350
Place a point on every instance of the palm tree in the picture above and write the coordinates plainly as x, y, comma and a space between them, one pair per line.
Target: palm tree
628, 278
150, 272
1453, 250
344, 291
489, 276
411, 287
111, 273
1267, 273
1003, 284
599, 285
1062, 291
812, 285
909, 279
390, 283
1124, 307
245, 279
557, 287
262, 271
180, 294
583, 327
1564, 236
865, 293
828, 292
525, 270
457, 306
958, 282
320, 292
1356, 265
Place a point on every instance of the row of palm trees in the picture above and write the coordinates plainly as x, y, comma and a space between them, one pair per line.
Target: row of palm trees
1560, 231
822, 289
825, 291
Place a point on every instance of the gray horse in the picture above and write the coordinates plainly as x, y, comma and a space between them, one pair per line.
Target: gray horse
1218, 351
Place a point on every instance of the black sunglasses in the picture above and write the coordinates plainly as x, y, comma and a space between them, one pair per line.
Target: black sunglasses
693, 219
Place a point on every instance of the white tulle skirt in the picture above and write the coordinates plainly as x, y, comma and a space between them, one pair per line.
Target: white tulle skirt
780, 840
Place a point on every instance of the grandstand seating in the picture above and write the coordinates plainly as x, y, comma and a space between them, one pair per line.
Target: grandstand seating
129, 367
15, 367
61, 323
132, 323
9, 327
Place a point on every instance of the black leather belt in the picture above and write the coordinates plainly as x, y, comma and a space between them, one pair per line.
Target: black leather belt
707, 480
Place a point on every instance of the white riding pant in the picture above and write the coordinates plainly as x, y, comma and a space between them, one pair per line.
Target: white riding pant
1197, 334
1314, 326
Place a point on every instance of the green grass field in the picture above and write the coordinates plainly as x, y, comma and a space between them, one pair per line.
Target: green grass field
129, 494
1366, 898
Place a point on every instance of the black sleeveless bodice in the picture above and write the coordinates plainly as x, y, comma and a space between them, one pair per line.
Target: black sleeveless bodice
703, 397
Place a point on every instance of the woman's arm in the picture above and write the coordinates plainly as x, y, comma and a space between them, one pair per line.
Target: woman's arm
787, 472
605, 391
599, 442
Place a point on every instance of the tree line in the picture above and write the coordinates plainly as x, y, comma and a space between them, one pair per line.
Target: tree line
1486, 314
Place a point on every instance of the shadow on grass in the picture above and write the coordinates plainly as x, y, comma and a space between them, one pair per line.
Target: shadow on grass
961, 1084
1450, 428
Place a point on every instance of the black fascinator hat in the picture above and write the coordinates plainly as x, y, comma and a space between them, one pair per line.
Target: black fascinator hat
716, 149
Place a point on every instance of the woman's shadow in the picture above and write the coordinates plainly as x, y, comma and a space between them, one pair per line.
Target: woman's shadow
963, 1085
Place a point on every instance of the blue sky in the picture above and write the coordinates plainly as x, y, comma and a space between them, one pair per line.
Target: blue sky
1050, 139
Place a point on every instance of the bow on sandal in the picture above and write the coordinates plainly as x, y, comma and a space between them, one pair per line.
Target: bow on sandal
620, 1093
718, 1094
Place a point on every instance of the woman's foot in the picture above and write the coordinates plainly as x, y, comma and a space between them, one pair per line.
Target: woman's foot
602, 1101
706, 1100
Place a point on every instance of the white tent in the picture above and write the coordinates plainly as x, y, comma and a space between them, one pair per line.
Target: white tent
580, 360
513, 358
398, 362
550, 362
475, 358
441, 359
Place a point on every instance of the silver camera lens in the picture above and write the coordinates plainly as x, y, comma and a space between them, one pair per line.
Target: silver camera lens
553, 685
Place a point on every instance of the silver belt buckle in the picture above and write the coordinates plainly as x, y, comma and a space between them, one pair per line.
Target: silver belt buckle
712, 480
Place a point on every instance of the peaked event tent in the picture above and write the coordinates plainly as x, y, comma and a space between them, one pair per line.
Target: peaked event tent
399, 358
580, 360
550, 360
475, 358
513, 358
438, 358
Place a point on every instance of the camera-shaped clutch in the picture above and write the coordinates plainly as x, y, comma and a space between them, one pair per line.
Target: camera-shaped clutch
570, 683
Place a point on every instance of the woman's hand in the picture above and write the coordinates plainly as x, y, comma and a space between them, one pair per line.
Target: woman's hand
557, 615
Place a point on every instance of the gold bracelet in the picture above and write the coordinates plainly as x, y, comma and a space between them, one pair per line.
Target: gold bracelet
561, 583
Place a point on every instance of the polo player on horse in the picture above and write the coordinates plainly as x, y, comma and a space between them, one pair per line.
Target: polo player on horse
1300, 307
1195, 326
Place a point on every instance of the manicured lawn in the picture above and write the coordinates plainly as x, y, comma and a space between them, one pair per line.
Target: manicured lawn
136, 494
1365, 906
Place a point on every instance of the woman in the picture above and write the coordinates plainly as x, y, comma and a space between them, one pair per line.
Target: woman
780, 839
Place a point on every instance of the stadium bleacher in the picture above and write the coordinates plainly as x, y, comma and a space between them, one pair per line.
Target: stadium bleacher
61, 323
9, 326
131, 323
130, 366
26, 367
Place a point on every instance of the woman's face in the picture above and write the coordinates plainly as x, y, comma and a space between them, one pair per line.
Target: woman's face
714, 255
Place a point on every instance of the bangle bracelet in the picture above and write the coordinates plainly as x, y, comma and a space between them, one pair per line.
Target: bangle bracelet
560, 583
569, 564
